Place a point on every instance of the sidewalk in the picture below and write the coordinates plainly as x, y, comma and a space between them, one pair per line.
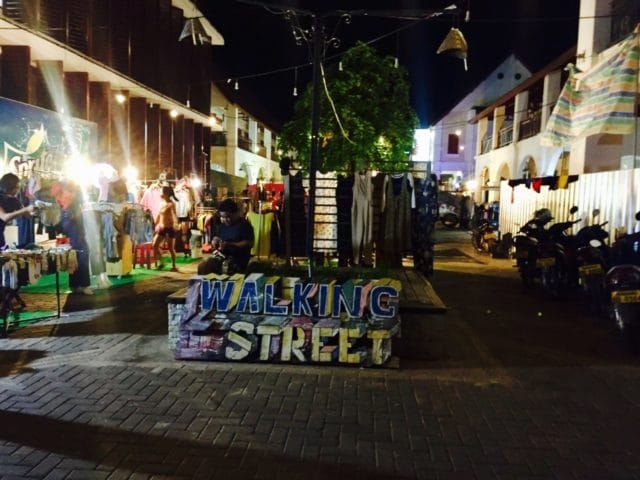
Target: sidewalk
97, 394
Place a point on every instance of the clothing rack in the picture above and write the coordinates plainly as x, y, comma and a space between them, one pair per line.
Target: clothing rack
200, 210
9, 294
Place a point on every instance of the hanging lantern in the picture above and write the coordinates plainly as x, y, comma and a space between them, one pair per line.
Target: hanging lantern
454, 44
193, 28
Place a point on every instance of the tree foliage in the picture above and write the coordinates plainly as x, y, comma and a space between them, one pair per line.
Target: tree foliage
371, 99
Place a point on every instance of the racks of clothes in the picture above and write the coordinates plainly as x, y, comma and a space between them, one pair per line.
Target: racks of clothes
206, 221
22, 267
113, 230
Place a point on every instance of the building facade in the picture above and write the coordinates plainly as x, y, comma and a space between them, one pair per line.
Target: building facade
454, 138
120, 65
245, 147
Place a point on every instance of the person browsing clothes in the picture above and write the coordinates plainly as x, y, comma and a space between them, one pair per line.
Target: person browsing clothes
233, 242
10, 206
166, 227
69, 196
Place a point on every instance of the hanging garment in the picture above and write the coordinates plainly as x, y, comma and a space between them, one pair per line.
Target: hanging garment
362, 219
344, 201
396, 219
262, 224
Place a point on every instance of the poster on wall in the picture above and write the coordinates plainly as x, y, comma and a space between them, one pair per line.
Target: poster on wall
36, 139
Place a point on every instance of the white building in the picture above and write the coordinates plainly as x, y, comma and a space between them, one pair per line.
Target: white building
604, 166
246, 146
454, 138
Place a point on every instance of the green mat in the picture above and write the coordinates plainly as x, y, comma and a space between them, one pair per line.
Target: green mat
47, 283
26, 317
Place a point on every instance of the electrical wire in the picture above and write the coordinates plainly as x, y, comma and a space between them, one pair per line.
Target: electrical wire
333, 106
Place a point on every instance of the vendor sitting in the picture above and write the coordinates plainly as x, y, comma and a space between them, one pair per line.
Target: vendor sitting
232, 244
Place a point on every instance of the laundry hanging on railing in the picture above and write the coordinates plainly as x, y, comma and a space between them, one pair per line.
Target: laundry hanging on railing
553, 182
599, 100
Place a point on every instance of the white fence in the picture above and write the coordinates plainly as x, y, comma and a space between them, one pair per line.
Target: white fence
616, 194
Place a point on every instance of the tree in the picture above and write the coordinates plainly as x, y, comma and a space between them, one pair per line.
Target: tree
372, 125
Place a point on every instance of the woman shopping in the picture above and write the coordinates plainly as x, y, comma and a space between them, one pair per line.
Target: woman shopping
69, 197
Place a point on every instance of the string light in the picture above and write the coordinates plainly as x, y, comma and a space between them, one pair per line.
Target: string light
395, 62
295, 82
236, 86
340, 65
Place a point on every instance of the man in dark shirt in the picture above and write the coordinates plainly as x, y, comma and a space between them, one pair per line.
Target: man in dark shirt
234, 240
10, 206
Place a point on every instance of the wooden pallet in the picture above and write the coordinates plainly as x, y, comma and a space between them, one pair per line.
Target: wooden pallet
417, 295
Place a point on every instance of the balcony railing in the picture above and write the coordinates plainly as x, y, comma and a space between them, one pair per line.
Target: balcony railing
486, 144
505, 137
245, 144
530, 126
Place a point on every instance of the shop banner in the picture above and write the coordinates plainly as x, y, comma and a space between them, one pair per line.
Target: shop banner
33, 138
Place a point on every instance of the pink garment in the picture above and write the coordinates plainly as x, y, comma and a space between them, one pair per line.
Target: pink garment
152, 199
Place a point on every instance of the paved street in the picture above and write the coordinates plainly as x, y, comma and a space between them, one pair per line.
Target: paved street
504, 385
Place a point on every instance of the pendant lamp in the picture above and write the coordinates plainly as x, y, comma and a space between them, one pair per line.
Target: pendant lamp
193, 28
455, 44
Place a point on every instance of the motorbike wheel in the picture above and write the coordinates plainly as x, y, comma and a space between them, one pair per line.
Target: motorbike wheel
492, 246
527, 275
626, 316
551, 282
595, 291
476, 242
449, 220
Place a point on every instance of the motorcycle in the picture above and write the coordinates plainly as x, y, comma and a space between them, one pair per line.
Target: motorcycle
623, 286
483, 237
526, 243
556, 259
592, 259
448, 216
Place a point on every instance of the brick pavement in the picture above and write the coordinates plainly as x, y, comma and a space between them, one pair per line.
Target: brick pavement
96, 394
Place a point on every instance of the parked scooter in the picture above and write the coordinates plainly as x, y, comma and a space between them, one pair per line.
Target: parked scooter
526, 243
592, 259
557, 258
623, 286
448, 216
483, 237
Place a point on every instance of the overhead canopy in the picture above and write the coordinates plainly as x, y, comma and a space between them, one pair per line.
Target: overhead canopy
599, 100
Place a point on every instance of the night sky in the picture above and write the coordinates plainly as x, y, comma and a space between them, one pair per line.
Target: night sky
259, 40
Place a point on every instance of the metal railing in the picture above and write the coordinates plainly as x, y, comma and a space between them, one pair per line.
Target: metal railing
245, 144
505, 137
485, 147
530, 126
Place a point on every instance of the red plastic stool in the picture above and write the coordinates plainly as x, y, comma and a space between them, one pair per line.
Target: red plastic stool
143, 255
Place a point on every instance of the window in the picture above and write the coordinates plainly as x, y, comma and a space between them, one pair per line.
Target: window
453, 144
